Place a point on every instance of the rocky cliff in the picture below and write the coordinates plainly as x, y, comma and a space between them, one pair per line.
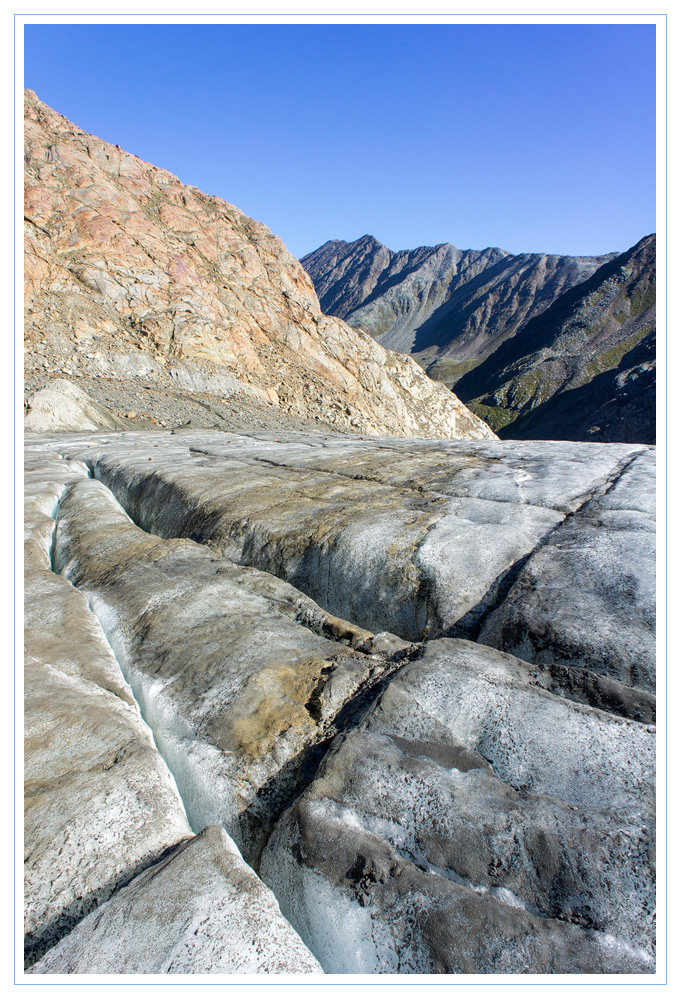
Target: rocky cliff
125, 265
307, 703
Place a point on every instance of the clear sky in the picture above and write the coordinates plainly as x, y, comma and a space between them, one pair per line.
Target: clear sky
528, 137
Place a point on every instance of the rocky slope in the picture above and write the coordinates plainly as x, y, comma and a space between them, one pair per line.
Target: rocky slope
412, 681
538, 346
306, 703
392, 295
127, 268
449, 308
585, 368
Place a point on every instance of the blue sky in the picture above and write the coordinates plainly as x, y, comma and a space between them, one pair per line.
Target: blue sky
528, 137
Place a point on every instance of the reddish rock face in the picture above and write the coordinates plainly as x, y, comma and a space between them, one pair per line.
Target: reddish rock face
121, 252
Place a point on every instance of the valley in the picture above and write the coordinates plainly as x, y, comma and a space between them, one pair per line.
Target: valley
538, 346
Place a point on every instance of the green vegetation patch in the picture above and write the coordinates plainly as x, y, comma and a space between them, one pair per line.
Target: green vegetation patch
496, 417
450, 372
588, 332
642, 300
612, 356
523, 388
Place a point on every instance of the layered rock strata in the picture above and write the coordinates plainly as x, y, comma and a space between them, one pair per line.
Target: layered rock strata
415, 806
120, 256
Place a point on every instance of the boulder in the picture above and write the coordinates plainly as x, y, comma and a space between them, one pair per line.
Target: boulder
64, 407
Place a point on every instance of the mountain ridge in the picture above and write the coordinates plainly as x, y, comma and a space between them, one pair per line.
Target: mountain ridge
588, 334
467, 316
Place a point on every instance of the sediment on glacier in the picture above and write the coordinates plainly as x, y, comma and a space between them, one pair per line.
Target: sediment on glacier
274, 636
302, 699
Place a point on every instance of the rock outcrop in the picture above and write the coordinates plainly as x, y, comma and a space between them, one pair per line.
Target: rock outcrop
315, 702
294, 616
539, 346
121, 256
65, 407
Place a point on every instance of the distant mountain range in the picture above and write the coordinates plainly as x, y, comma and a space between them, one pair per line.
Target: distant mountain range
539, 345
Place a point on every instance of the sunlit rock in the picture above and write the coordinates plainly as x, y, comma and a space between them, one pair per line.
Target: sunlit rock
65, 407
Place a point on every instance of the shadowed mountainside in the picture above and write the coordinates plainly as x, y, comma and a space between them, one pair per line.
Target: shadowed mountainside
512, 334
585, 368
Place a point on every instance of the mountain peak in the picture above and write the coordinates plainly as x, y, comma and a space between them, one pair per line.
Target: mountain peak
468, 316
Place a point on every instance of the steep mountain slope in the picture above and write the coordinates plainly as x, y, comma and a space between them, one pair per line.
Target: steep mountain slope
121, 256
449, 308
585, 368
392, 295
619, 404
